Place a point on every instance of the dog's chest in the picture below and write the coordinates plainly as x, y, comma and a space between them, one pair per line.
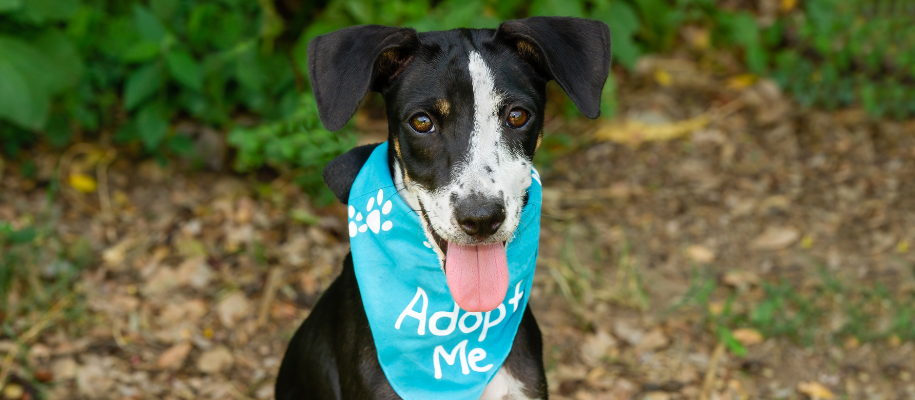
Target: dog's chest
504, 387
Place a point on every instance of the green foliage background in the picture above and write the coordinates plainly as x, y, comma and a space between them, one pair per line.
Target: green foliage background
130, 69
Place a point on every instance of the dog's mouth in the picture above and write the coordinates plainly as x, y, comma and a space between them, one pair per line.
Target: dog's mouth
477, 275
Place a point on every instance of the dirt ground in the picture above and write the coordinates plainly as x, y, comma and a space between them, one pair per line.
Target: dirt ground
202, 277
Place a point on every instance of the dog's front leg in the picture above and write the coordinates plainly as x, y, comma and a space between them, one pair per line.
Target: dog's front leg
522, 376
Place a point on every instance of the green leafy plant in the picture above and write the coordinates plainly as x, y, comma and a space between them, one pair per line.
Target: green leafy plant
833, 53
131, 69
298, 140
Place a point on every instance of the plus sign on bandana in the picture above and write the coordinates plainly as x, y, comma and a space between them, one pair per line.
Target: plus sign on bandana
427, 345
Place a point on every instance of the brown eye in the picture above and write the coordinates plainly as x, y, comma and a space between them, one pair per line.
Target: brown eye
516, 118
421, 123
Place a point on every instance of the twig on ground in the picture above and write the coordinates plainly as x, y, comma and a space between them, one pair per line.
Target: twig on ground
709, 380
101, 172
238, 394
722, 112
273, 283
116, 333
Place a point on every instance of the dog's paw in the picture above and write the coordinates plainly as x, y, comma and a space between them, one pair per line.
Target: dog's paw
373, 220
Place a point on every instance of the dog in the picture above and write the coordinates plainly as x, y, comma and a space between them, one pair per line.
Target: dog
465, 111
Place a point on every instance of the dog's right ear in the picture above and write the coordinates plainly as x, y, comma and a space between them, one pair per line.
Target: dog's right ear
344, 65
341, 172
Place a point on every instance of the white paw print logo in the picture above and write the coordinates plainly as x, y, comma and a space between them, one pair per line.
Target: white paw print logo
373, 220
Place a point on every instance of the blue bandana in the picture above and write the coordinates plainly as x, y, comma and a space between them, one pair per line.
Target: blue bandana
427, 346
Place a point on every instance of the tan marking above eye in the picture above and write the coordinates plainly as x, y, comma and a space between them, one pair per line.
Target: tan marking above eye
443, 106
516, 118
421, 123
526, 49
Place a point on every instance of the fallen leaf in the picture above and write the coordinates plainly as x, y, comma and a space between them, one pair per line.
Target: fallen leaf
748, 337
244, 210
192, 248
182, 311
698, 38
163, 280
195, 272
174, 357
741, 81
663, 77
700, 254
716, 307
82, 182
851, 343
232, 308
775, 238
215, 360
13, 391
265, 391
622, 389
178, 320
814, 390
94, 379
653, 340
736, 390
44, 376
64, 369
777, 203
656, 395
596, 346
635, 132
625, 330
807, 242
116, 254
740, 279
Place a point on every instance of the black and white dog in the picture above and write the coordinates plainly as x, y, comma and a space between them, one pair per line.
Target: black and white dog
465, 115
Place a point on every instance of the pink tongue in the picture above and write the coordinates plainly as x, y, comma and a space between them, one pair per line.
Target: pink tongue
477, 275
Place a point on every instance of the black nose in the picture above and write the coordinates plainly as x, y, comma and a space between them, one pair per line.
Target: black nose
480, 219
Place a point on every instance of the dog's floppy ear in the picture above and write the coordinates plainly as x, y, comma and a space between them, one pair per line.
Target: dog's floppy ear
344, 65
573, 51
341, 172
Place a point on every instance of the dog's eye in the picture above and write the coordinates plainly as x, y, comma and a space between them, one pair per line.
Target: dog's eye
421, 123
516, 118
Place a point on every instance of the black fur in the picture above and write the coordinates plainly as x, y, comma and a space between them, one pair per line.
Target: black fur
333, 356
346, 64
573, 51
341, 172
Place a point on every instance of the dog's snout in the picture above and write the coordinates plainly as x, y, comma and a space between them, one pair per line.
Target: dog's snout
480, 219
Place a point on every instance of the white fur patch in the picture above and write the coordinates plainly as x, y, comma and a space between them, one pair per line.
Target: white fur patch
490, 168
503, 386
411, 197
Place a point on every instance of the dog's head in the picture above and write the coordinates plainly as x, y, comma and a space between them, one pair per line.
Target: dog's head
465, 115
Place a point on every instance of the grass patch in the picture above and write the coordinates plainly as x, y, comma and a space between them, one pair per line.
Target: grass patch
38, 273
832, 312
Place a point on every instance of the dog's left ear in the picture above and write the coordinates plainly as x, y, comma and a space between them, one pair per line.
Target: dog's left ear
573, 51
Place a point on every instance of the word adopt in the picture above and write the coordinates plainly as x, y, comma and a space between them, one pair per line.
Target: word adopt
470, 360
